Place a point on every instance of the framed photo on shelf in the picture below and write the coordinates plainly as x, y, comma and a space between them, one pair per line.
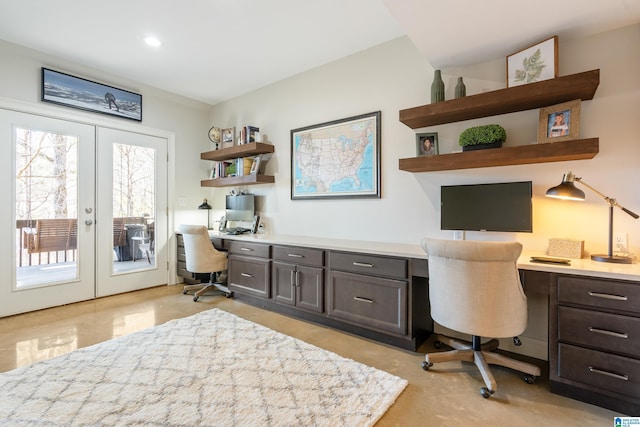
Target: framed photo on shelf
228, 137
533, 64
559, 122
427, 144
337, 159
255, 165
75, 92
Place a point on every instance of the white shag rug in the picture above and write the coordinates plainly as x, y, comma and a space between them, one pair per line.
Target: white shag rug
210, 369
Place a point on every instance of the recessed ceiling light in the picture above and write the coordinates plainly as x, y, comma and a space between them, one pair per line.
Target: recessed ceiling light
152, 41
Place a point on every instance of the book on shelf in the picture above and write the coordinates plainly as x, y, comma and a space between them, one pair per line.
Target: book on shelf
255, 165
249, 134
243, 166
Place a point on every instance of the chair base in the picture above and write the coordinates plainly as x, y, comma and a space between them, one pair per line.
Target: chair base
482, 357
205, 287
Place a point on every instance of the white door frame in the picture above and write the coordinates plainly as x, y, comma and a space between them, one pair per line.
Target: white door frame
99, 121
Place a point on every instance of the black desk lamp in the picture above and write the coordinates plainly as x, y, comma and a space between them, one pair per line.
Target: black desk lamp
568, 191
206, 206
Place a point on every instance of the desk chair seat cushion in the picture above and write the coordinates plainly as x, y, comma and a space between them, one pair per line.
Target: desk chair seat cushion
474, 287
201, 256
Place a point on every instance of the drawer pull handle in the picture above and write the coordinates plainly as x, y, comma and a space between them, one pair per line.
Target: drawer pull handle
608, 296
246, 249
609, 374
246, 275
368, 300
362, 264
610, 333
295, 256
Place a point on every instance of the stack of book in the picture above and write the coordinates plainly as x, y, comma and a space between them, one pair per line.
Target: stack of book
236, 167
249, 134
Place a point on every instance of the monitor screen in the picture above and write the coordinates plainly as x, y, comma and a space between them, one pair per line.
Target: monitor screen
240, 207
487, 207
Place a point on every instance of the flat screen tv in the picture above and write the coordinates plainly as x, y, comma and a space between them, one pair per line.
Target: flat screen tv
487, 207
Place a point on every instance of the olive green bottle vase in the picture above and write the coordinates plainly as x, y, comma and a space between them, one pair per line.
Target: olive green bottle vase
437, 87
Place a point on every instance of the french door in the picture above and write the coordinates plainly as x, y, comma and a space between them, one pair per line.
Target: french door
68, 187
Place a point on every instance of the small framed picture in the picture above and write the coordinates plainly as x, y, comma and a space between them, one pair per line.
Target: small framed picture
559, 122
427, 144
228, 136
255, 165
533, 64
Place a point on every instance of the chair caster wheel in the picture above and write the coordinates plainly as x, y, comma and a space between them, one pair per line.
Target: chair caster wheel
196, 298
228, 294
529, 379
437, 344
486, 393
516, 341
184, 292
426, 365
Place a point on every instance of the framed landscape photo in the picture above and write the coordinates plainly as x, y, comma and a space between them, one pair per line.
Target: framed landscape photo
75, 92
533, 64
427, 144
337, 159
559, 122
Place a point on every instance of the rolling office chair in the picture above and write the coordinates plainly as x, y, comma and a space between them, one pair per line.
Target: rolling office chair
202, 257
474, 288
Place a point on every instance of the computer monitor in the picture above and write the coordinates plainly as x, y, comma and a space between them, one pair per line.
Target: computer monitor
487, 207
240, 207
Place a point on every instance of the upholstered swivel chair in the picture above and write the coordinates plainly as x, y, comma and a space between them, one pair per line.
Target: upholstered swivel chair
202, 257
475, 289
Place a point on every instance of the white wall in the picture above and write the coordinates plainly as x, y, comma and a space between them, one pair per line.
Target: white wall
394, 76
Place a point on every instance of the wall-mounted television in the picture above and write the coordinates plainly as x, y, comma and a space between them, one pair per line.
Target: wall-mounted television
487, 207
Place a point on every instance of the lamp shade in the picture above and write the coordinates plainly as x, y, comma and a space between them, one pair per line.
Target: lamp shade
566, 190
204, 205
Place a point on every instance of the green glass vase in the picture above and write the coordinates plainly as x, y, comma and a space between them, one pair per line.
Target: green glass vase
437, 87
461, 89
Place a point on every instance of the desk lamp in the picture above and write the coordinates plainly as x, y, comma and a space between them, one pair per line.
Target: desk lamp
568, 191
206, 206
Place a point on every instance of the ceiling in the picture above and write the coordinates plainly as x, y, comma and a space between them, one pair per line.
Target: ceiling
214, 50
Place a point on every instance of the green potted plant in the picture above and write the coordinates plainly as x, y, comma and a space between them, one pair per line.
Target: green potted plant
480, 137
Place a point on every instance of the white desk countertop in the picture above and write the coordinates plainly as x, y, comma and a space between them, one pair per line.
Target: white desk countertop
581, 267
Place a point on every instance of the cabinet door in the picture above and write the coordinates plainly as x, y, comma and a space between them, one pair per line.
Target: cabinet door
283, 283
309, 290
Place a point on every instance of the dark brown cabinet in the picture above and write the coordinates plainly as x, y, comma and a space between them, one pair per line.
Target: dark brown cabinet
249, 268
594, 341
298, 277
369, 291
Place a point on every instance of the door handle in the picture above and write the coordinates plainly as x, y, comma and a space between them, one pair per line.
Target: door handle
88, 222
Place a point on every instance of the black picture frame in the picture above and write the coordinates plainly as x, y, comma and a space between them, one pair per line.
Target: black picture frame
75, 92
316, 153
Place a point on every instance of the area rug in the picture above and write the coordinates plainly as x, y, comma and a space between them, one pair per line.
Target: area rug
209, 369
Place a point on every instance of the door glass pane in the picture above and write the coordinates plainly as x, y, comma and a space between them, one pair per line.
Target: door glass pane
46, 207
133, 207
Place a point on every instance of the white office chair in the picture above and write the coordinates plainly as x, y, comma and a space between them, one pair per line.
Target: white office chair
474, 288
202, 257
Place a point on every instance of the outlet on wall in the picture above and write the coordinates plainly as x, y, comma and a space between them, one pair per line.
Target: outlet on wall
458, 235
620, 242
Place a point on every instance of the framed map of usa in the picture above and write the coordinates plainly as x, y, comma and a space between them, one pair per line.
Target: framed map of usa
337, 159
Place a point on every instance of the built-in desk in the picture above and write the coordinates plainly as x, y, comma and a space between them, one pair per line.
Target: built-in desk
380, 291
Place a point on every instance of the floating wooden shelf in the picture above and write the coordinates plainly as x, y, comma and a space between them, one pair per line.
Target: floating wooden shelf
519, 98
244, 150
580, 149
238, 180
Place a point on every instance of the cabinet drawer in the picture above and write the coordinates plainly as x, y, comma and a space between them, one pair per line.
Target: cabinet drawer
369, 264
600, 293
599, 369
296, 255
371, 302
248, 249
249, 275
605, 331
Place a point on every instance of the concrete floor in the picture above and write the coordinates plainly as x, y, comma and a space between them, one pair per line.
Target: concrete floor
448, 394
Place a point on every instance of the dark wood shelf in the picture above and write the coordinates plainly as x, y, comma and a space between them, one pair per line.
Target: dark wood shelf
244, 150
580, 149
238, 180
519, 98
